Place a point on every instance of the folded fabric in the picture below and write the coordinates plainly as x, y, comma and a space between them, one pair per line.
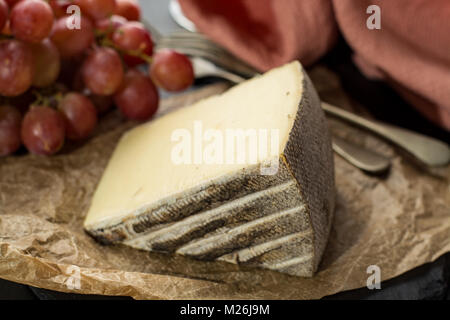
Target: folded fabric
411, 51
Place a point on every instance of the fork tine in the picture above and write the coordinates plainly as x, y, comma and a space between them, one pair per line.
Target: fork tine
192, 51
223, 61
217, 54
197, 44
187, 35
156, 35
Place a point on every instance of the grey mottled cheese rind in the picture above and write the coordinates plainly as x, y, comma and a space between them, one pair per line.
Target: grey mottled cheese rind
309, 156
278, 222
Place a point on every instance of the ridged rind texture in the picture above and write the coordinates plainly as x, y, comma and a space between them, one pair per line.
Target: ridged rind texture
189, 202
279, 222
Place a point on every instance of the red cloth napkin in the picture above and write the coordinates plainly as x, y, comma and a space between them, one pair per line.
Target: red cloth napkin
411, 51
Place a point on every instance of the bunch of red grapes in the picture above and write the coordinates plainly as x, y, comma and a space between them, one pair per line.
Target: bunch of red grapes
59, 71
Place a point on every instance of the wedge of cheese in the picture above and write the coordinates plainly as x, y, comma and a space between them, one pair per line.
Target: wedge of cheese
160, 192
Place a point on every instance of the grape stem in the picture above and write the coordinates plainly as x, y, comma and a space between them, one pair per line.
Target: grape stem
47, 100
40, 99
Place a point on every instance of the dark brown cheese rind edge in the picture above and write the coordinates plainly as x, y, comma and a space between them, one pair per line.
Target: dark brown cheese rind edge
312, 165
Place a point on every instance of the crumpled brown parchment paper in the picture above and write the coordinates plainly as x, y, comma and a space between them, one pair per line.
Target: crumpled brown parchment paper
396, 222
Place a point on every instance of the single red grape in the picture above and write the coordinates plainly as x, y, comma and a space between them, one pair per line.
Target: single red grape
10, 121
101, 103
47, 63
138, 97
43, 130
97, 9
129, 9
103, 71
80, 116
133, 39
4, 11
31, 20
72, 42
16, 68
107, 26
171, 70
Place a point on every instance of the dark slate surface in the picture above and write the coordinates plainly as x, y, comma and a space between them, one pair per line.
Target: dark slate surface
430, 281
427, 282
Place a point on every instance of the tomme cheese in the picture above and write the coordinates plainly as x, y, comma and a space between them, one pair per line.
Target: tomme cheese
244, 177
